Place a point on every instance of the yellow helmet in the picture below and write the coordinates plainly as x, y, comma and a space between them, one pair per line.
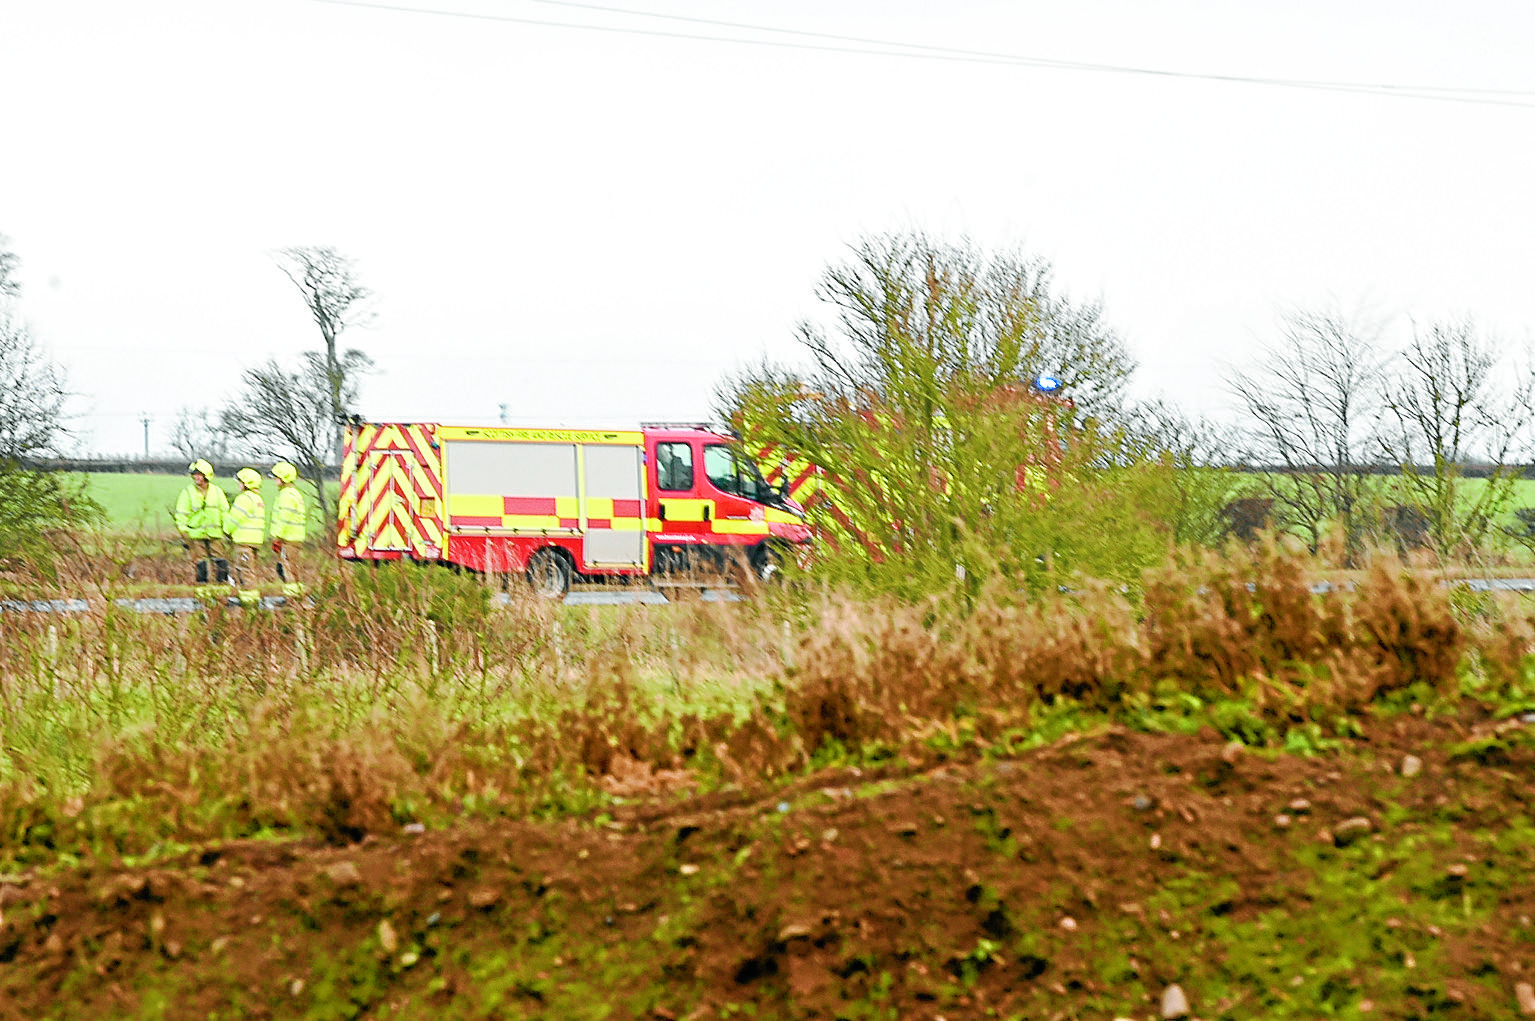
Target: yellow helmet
284, 472
250, 478
202, 467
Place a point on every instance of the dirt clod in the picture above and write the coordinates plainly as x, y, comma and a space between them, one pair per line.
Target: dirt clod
483, 898
344, 874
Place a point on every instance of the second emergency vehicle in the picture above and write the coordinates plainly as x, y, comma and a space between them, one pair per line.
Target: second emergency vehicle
848, 513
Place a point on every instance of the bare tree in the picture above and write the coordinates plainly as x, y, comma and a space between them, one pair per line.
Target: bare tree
337, 300
197, 432
1312, 411
1448, 412
33, 393
10, 287
34, 505
914, 313
1201, 451
33, 389
289, 415
931, 445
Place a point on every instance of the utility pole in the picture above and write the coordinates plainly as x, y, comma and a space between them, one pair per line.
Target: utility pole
146, 420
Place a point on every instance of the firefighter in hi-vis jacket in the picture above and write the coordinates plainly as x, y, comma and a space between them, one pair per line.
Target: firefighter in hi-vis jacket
289, 517
200, 511
245, 524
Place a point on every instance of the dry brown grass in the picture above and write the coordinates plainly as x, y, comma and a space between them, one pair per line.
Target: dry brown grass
1242, 626
405, 695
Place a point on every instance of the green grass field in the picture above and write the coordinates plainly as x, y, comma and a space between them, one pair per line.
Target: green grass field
1507, 528
144, 503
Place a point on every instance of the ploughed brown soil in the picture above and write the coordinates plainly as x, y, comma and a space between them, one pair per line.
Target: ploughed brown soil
1076, 881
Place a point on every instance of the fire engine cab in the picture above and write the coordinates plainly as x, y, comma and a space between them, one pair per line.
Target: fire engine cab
673, 500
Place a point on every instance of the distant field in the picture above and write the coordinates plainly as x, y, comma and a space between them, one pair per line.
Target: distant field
145, 502
1524, 493
1524, 496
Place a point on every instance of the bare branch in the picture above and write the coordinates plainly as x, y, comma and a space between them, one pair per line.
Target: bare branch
1312, 412
10, 287
336, 300
198, 433
282, 414
32, 393
1450, 411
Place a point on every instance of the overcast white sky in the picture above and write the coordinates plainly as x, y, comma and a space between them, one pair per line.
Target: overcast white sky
595, 227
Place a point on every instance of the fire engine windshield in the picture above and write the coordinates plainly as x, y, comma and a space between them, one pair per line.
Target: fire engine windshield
733, 472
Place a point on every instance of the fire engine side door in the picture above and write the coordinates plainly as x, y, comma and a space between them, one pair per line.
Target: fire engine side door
612, 507
678, 473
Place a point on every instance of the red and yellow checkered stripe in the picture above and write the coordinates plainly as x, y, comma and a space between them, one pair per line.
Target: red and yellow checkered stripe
814, 489
541, 513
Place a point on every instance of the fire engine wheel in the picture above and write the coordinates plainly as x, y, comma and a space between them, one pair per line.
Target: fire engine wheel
766, 562
549, 573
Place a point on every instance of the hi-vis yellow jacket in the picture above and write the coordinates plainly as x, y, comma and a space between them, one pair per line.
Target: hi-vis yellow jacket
289, 515
200, 515
245, 523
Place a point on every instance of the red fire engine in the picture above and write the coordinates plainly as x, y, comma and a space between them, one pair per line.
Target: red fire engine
556, 504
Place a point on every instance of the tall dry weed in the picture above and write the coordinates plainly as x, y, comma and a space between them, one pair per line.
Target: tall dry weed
865, 670
1405, 627
1503, 640
1214, 621
1083, 646
878, 672
1249, 624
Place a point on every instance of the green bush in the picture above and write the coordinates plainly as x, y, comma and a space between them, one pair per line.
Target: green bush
40, 515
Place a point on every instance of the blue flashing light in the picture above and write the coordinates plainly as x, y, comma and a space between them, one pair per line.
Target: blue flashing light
1046, 383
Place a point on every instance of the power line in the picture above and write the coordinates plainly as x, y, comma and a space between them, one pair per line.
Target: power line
1032, 61
924, 51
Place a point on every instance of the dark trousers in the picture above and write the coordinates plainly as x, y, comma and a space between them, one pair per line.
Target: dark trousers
208, 563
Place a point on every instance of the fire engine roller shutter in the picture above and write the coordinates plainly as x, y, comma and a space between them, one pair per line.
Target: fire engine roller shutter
613, 507
513, 469
511, 487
